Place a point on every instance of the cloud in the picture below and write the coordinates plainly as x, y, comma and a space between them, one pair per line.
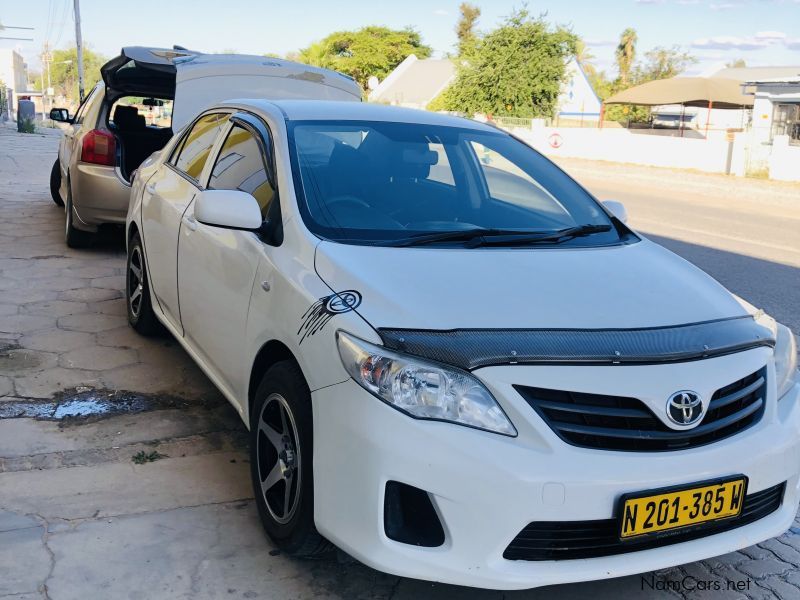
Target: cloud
649, 1
770, 35
792, 43
760, 40
441, 12
693, 1
729, 42
722, 6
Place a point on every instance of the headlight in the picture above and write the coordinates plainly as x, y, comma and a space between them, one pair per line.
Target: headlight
421, 389
785, 359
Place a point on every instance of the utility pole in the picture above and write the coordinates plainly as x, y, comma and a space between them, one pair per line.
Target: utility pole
79, 42
47, 58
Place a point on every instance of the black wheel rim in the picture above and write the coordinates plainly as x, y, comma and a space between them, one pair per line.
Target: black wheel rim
278, 458
68, 220
135, 282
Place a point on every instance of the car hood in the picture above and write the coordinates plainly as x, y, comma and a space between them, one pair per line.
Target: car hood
627, 286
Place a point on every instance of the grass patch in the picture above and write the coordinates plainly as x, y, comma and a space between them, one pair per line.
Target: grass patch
26, 126
143, 457
758, 173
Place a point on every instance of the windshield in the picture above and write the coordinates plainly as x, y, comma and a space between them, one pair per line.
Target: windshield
383, 182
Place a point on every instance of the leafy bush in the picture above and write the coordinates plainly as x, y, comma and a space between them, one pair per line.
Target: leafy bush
26, 126
515, 71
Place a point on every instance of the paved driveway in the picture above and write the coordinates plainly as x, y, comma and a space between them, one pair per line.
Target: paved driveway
80, 519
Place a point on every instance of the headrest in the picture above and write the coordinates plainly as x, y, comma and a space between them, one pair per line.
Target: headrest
415, 161
345, 158
128, 118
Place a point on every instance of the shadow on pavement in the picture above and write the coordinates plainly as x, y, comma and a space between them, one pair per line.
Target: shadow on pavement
768, 285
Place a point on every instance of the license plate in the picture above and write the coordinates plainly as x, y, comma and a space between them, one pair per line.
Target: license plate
659, 511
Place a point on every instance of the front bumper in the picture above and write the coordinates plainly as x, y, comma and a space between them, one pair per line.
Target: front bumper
486, 488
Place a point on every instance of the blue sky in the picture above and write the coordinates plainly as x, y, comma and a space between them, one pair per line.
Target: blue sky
763, 32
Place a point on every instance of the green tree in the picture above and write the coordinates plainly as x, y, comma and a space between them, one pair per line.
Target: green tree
663, 63
465, 28
366, 52
585, 58
659, 63
64, 72
516, 70
626, 54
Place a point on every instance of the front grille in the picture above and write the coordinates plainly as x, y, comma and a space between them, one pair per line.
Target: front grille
620, 423
567, 540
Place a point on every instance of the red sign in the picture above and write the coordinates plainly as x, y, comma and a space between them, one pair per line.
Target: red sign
555, 140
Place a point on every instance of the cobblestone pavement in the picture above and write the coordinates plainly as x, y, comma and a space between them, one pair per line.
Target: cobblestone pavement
79, 519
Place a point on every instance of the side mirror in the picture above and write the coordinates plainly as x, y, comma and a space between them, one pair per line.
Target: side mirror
231, 209
617, 209
60, 114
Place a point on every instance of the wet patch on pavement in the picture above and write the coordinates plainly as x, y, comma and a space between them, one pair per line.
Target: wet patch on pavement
13, 358
89, 404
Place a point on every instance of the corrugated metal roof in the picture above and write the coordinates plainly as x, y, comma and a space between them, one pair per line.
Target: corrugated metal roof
418, 83
743, 74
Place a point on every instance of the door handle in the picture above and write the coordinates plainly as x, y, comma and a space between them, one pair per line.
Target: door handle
190, 222
150, 188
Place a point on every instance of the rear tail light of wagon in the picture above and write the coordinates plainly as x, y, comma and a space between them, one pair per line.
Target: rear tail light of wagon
99, 148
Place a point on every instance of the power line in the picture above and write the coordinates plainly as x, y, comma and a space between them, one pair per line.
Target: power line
4, 27
63, 21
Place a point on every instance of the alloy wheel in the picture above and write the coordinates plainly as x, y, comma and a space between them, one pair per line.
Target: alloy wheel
68, 220
135, 282
278, 456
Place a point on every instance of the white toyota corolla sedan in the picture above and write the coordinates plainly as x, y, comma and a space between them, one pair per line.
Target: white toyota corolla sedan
455, 363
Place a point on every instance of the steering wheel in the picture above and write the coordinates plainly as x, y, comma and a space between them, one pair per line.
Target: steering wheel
346, 199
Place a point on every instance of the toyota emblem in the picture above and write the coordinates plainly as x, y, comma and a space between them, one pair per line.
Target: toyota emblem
684, 408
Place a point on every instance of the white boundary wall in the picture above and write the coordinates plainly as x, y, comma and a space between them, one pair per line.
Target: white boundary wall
621, 145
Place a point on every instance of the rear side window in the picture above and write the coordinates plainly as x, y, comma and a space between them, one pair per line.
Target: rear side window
192, 154
154, 113
79, 116
240, 166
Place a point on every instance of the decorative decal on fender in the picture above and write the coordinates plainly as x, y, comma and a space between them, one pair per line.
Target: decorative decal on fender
324, 309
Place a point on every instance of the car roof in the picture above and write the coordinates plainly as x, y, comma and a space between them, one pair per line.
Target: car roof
331, 110
211, 65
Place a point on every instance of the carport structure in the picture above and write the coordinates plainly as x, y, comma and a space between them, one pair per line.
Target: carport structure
710, 92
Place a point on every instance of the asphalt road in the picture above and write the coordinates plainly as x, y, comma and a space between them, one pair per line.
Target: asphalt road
743, 232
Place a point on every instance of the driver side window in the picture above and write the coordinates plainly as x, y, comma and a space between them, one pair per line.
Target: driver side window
193, 151
240, 166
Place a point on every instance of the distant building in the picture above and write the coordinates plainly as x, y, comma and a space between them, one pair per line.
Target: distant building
14, 75
670, 116
578, 100
415, 83
775, 136
776, 107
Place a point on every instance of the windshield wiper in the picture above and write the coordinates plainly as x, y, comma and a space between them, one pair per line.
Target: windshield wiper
481, 236
554, 237
458, 235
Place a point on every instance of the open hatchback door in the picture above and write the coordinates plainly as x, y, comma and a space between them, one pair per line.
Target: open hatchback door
143, 71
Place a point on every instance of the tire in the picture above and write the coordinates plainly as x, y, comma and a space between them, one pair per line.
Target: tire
284, 401
137, 292
75, 238
55, 184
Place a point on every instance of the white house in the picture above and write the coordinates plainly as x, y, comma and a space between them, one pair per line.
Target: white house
414, 83
14, 75
578, 100
775, 136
